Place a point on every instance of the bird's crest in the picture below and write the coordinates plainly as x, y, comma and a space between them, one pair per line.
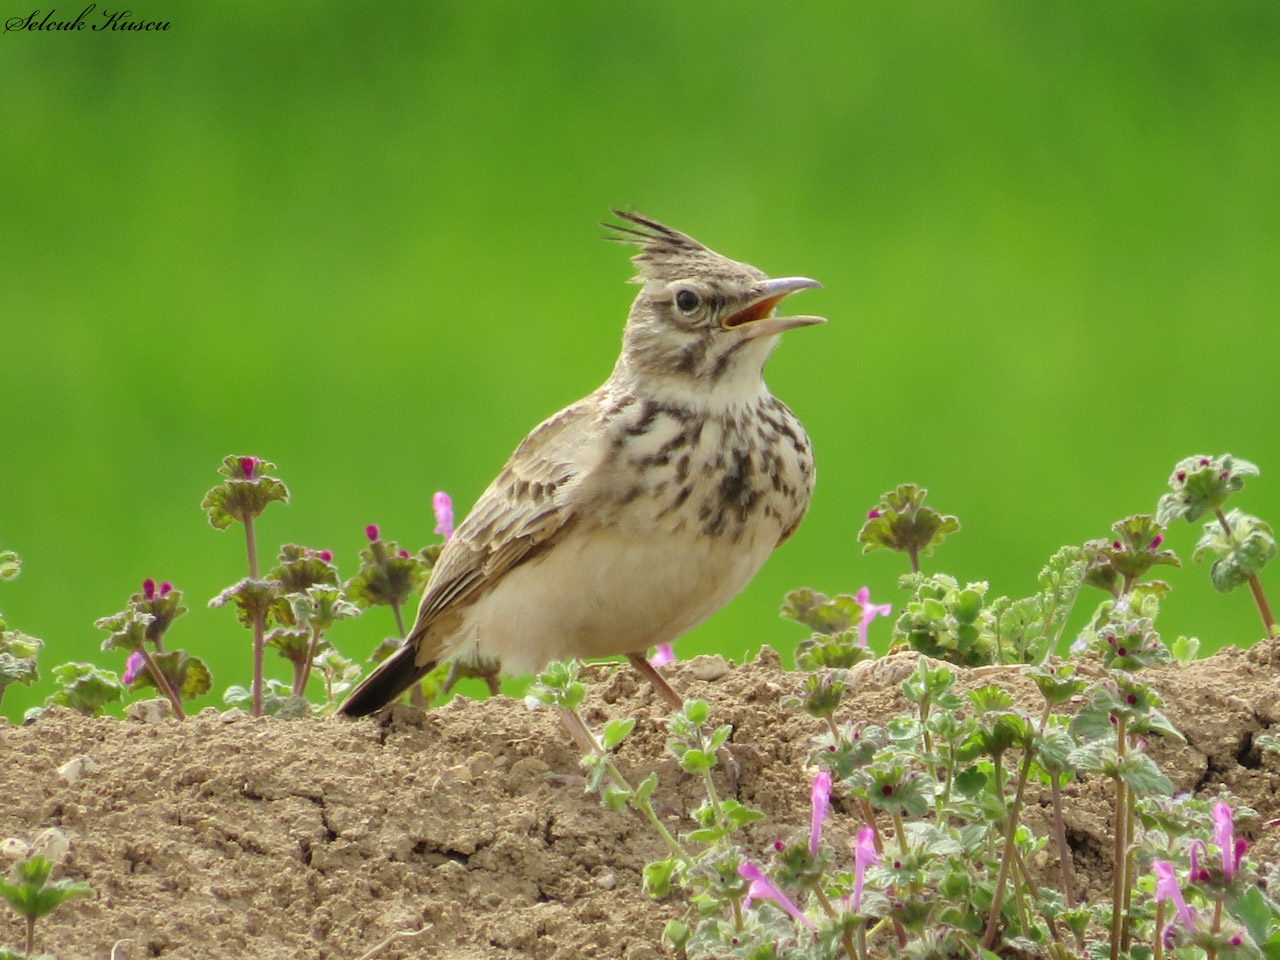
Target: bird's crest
665, 254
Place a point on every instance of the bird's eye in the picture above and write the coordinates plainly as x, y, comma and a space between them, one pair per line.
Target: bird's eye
687, 301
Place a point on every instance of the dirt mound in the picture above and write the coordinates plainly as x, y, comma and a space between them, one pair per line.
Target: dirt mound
232, 836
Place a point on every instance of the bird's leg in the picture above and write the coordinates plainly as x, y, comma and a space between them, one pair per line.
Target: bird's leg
650, 673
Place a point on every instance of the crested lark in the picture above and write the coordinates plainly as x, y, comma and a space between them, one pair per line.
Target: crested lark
631, 516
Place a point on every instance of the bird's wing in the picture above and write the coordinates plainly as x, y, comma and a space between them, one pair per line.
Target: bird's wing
526, 507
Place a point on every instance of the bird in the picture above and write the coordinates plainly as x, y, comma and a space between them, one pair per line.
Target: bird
631, 516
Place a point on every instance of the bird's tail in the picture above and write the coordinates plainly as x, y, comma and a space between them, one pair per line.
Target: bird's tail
394, 676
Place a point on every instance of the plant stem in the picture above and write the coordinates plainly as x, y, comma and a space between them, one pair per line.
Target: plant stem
845, 937
993, 916
1130, 832
162, 683
259, 624
1158, 944
300, 685
902, 833
31, 933
1118, 858
258, 646
251, 546
1255, 585
395, 608
616, 775
1060, 838
913, 553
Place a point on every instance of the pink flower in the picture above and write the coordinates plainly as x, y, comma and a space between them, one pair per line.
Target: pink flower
763, 889
864, 855
403, 554
371, 531
872, 514
149, 589
1155, 544
820, 798
326, 556
869, 612
662, 655
247, 466
1196, 873
133, 666
1224, 837
165, 588
443, 507
1167, 889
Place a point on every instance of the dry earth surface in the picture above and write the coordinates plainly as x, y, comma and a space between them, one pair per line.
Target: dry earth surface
228, 836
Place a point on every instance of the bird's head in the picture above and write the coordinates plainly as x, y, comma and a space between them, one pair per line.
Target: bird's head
700, 320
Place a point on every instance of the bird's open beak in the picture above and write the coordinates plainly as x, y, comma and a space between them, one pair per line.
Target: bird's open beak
756, 319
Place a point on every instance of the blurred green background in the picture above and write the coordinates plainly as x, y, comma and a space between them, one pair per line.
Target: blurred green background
362, 242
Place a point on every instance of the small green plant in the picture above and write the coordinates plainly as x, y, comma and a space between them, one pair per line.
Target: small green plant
247, 490
32, 896
1241, 543
139, 630
18, 651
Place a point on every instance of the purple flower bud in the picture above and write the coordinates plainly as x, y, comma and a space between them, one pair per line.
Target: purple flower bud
1223, 475
779, 846
1131, 699
1204, 461
443, 507
165, 588
1121, 652
1117, 545
1236, 941
1111, 640
872, 514
149, 588
371, 531
1111, 717
1155, 544
662, 655
247, 466
886, 790
133, 666
1182, 476
326, 556
403, 554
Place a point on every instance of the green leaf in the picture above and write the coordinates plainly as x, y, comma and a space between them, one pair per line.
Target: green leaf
1140, 772
10, 565
614, 797
239, 497
969, 782
1253, 912
696, 711
646, 787
616, 730
1202, 484
85, 688
820, 613
1241, 555
695, 761
707, 835
901, 522
385, 577
251, 598
1184, 649
657, 877
738, 814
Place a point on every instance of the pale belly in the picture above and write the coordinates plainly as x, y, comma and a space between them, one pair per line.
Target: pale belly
606, 593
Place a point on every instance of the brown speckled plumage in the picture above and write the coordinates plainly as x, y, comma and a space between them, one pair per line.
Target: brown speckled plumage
630, 516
